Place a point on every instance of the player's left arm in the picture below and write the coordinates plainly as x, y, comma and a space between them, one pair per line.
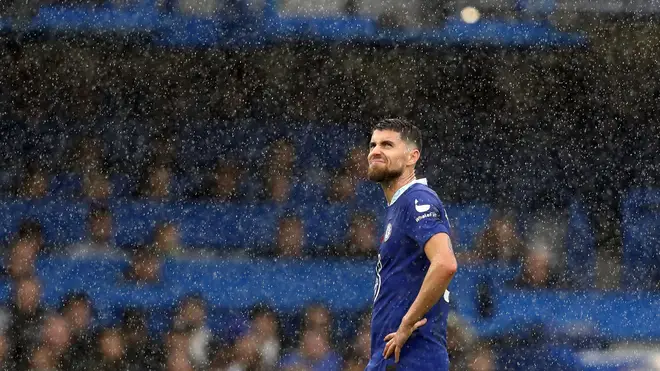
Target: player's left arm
442, 268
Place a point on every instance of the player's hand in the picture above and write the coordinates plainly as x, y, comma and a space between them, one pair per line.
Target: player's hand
396, 340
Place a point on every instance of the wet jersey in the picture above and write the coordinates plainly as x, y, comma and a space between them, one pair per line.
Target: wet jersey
414, 215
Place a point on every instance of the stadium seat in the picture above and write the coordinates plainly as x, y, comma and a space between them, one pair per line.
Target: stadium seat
641, 238
232, 287
122, 185
184, 185
62, 222
65, 186
12, 214
369, 196
467, 221
305, 193
7, 181
134, 221
211, 225
580, 249
259, 224
325, 225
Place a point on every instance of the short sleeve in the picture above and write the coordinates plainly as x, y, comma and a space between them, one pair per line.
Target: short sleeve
426, 217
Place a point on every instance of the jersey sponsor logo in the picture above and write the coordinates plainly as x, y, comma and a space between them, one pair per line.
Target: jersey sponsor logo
388, 232
432, 214
421, 208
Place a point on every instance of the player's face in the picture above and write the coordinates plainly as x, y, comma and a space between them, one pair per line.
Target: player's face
387, 156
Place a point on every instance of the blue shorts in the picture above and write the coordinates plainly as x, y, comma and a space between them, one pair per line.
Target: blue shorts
410, 362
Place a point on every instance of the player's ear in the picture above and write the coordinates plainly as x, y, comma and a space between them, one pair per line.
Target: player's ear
413, 156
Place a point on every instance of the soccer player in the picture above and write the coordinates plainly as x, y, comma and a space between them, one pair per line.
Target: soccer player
415, 258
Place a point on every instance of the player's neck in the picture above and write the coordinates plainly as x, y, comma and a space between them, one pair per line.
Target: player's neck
390, 188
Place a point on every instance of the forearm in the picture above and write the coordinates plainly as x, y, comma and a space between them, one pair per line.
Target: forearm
435, 284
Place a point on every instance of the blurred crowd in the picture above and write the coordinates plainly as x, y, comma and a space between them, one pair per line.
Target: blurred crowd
526, 132
71, 337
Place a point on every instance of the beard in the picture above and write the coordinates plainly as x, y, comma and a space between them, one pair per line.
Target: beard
383, 174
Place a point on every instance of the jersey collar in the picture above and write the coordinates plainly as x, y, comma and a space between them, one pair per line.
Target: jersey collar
400, 191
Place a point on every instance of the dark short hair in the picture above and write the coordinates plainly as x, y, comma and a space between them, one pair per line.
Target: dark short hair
97, 211
409, 132
75, 297
29, 228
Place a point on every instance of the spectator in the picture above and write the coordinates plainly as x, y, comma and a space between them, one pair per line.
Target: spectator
314, 353
460, 339
145, 267
354, 362
245, 354
537, 271
191, 319
110, 351
142, 353
282, 157
27, 314
317, 317
157, 183
4, 352
41, 359
177, 355
224, 183
98, 243
482, 358
77, 310
24, 251
34, 185
166, 240
290, 237
361, 239
358, 352
498, 242
342, 188
56, 337
96, 186
87, 156
278, 187
264, 327
356, 164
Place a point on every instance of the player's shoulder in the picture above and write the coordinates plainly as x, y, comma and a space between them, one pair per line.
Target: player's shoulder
422, 193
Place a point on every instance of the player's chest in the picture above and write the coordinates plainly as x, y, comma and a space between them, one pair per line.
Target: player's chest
394, 236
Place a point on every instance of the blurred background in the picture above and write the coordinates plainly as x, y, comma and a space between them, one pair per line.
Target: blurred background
182, 183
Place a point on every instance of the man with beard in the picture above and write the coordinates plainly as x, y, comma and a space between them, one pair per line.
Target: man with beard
415, 258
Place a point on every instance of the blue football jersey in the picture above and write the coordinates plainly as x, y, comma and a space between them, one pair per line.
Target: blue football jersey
414, 215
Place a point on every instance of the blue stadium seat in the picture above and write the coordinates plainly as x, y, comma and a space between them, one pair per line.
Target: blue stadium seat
641, 238
325, 225
369, 196
617, 316
467, 221
12, 214
7, 179
211, 225
580, 248
134, 221
62, 222
232, 287
122, 185
303, 193
65, 186
258, 222
183, 186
